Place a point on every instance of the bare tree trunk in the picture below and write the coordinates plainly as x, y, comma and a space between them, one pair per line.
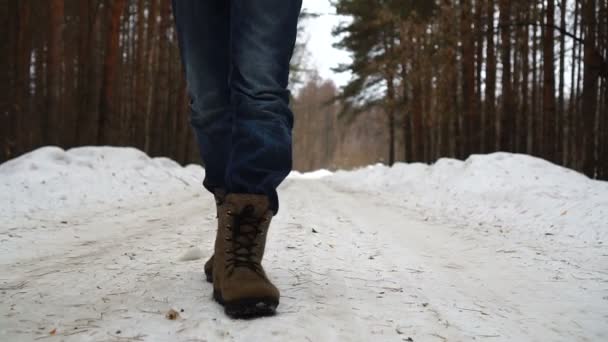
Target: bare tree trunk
37, 116
479, 124
139, 117
506, 115
525, 83
152, 64
8, 19
391, 137
54, 125
549, 85
570, 124
590, 79
418, 101
127, 67
468, 79
182, 122
172, 113
14, 109
578, 146
562, 127
602, 167
602, 172
490, 82
405, 101
159, 127
428, 100
88, 118
106, 101
518, 117
536, 124
71, 33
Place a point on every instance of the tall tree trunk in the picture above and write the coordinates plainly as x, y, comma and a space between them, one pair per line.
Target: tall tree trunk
37, 115
590, 79
18, 41
506, 115
67, 138
570, 124
447, 102
518, 117
536, 124
417, 146
54, 125
106, 100
160, 128
139, 117
391, 136
602, 167
491, 117
469, 140
7, 94
92, 48
406, 129
428, 100
479, 123
152, 64
417, 116
182, 122
522, 131
549, 85
562, 127
603, 129
578, 148
172, 113
124, 86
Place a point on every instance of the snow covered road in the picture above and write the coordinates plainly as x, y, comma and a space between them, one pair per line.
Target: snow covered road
353, 264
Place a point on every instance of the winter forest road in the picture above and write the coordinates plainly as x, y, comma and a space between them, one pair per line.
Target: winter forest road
352, 266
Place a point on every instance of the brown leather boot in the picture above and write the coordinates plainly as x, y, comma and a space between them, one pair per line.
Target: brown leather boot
219, 195
239, 281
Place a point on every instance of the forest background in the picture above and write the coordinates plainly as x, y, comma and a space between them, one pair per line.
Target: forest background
429, 79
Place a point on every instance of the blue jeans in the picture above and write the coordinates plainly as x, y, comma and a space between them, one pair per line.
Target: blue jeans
236, 56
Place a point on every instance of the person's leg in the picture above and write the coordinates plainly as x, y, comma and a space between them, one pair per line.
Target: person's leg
203, 28
263, 34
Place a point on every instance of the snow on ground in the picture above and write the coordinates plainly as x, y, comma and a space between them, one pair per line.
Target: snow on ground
310, 175
505, 193
99, 243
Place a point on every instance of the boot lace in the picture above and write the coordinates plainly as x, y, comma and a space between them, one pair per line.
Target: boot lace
245, 229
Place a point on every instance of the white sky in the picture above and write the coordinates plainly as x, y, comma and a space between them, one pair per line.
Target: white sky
320, 40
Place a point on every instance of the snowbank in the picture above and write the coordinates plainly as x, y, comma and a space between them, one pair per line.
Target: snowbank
318, 174
51, 178
510, 192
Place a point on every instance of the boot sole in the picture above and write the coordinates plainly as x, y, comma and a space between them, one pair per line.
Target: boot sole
247, 307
